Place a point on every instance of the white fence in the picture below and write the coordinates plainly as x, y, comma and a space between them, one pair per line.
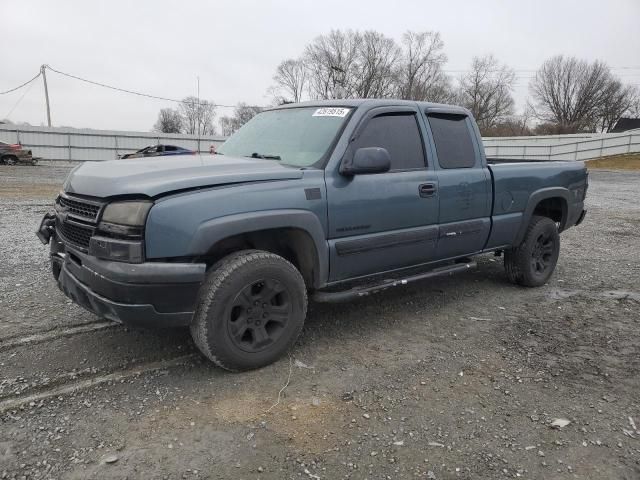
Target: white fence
76, 145
563, 147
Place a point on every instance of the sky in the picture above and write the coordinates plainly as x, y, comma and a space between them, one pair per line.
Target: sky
233, 46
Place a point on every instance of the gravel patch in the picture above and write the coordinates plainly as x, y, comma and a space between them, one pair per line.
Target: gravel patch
455, 378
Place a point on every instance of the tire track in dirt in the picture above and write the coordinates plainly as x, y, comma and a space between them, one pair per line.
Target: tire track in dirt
12, 403
19, 341
50, 360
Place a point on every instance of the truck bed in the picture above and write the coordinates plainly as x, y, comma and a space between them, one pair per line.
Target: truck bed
499, 161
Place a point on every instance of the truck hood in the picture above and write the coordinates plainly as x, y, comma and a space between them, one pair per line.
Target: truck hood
155, 176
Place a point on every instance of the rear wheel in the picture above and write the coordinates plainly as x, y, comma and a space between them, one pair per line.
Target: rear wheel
532, 263
9, 160
250, 310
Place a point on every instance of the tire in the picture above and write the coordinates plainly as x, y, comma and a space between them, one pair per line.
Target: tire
250, 310
9, 160
532, 263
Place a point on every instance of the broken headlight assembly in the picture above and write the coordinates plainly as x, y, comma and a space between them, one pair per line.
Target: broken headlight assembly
119, 233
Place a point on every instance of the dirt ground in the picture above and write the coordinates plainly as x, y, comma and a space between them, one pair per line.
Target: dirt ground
616, 162
457, 378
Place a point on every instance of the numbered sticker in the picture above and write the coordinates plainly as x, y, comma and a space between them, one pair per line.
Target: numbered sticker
331, 112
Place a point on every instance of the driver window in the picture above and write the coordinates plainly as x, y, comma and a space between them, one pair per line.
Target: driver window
399, 135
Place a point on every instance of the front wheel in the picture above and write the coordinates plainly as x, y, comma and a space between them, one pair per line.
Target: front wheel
532, 263
250, 310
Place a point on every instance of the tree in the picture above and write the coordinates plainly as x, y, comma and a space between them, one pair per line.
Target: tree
634, 109
486, 91
241, 115
197, 116
351, 64
419, 74
621, 101
169, 121
374, 67
579, 96
291, 78
330, 62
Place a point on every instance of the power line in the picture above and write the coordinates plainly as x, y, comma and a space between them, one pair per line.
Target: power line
20, 86
132, 92
19, 100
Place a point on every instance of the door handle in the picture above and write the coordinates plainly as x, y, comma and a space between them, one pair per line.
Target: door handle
427, 190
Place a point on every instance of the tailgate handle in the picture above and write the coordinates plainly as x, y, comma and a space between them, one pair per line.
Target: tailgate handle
427, 189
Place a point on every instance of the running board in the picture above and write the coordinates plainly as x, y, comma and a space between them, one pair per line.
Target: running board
357, 292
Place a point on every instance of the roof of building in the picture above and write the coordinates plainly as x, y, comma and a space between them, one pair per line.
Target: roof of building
625, 124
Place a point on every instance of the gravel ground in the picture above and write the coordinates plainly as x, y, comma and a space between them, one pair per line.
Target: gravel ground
455, 378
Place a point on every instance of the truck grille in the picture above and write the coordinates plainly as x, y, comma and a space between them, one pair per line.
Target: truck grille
80, 208
76, 220
74, 234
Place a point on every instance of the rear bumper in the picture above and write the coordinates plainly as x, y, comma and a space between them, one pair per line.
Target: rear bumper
149, 295
576, 215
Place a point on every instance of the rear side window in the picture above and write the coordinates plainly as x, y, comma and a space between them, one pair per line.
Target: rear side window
170, 148
453, 141
399, 135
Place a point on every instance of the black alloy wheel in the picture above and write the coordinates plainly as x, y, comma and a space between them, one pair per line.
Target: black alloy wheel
259, 315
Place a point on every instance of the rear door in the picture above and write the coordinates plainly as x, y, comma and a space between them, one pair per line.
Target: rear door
464, 186
383, 221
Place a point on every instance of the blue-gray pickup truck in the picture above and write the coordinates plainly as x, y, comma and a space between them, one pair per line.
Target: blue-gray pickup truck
331, 200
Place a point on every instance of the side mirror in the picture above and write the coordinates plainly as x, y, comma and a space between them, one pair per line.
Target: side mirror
367, 160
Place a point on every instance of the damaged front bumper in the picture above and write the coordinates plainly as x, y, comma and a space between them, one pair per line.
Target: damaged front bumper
47, 228
149, 294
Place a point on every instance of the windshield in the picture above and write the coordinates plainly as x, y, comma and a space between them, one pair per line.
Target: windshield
295, 136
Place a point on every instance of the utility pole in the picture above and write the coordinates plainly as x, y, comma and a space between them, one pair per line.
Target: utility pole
199, 114
43, 72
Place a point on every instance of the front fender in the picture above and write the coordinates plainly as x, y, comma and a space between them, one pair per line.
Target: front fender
211, 232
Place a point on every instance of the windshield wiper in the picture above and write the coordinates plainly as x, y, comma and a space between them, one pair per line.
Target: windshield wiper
265, 156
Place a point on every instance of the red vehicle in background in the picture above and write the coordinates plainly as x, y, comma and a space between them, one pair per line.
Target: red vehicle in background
13, 153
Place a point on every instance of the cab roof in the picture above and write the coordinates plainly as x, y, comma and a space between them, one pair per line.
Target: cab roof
372, 103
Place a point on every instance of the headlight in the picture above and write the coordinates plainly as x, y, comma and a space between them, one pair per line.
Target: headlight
120, 230
131, 213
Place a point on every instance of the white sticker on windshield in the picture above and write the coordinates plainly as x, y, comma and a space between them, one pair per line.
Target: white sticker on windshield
331, 112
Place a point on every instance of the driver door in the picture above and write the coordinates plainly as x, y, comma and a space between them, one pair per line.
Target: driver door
384, 221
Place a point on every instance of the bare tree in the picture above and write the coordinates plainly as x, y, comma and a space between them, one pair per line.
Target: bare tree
352, 64
373, 74
197, 116
634, 109
486, 91
576, 95
419, 74
621, 100
330, 61
291, 78
226, 126
169, 121
241, 115
512, 126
